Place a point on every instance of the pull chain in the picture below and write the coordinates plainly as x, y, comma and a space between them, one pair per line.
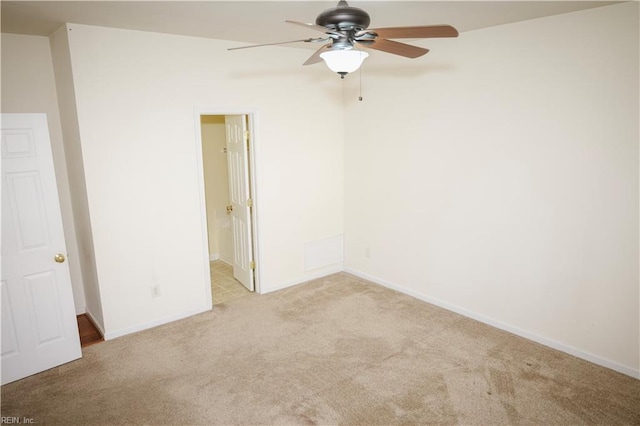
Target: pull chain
360, 96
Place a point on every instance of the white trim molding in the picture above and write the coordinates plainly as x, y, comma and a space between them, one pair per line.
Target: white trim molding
502, 326
155, 323
329, 270
96, 323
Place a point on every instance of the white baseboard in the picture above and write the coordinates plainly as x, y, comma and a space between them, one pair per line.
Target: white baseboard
213, 257
150, 324
502, 326
80, 310
93, 320
307, 277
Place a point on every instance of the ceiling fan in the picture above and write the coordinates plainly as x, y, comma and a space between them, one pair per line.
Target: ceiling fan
346, 31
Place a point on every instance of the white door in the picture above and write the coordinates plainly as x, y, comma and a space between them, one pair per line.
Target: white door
239, 194
39, 327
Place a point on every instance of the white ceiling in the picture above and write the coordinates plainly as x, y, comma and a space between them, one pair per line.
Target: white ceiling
263, 21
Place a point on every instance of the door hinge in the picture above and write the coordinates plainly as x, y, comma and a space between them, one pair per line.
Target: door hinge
250, 202
252, 265
246, 135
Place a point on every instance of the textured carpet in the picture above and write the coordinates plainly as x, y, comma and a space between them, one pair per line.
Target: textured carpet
339, 350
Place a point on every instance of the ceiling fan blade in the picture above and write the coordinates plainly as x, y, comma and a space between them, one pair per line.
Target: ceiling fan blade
315, 58
430, 31
402, 49
306, 40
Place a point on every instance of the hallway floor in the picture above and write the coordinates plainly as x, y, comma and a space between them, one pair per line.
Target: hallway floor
223, 286
89, 333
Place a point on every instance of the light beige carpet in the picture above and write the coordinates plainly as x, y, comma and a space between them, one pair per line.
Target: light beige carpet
338, 350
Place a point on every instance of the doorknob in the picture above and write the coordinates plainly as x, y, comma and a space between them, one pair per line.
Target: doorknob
229, 209
59, 258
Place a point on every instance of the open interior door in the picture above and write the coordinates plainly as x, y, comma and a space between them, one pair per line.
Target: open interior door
240, 198
39, 327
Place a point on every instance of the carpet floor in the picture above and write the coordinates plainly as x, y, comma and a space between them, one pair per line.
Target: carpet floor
338, 350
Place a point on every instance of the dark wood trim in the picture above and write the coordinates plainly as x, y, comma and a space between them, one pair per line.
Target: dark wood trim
89, 333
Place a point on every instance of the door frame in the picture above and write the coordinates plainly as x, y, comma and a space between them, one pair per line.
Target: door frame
252, 118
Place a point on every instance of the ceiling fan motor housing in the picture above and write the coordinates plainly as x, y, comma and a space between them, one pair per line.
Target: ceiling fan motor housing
343, 18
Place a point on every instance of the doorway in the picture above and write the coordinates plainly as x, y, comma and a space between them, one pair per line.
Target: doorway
229, 203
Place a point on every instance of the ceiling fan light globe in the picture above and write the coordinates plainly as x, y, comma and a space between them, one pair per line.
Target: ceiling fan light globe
344, 61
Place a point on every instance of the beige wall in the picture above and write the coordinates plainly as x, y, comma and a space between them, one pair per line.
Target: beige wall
136, 95
504, 181
28, 85
59, 44
216, 182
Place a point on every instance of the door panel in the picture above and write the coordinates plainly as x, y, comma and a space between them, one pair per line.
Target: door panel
25, 200
42, 297
39, 328
238, 163
9, 338
240, 250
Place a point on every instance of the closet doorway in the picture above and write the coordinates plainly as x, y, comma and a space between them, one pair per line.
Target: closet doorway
229, 204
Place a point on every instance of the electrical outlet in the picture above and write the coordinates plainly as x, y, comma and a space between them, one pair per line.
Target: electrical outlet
155, 291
